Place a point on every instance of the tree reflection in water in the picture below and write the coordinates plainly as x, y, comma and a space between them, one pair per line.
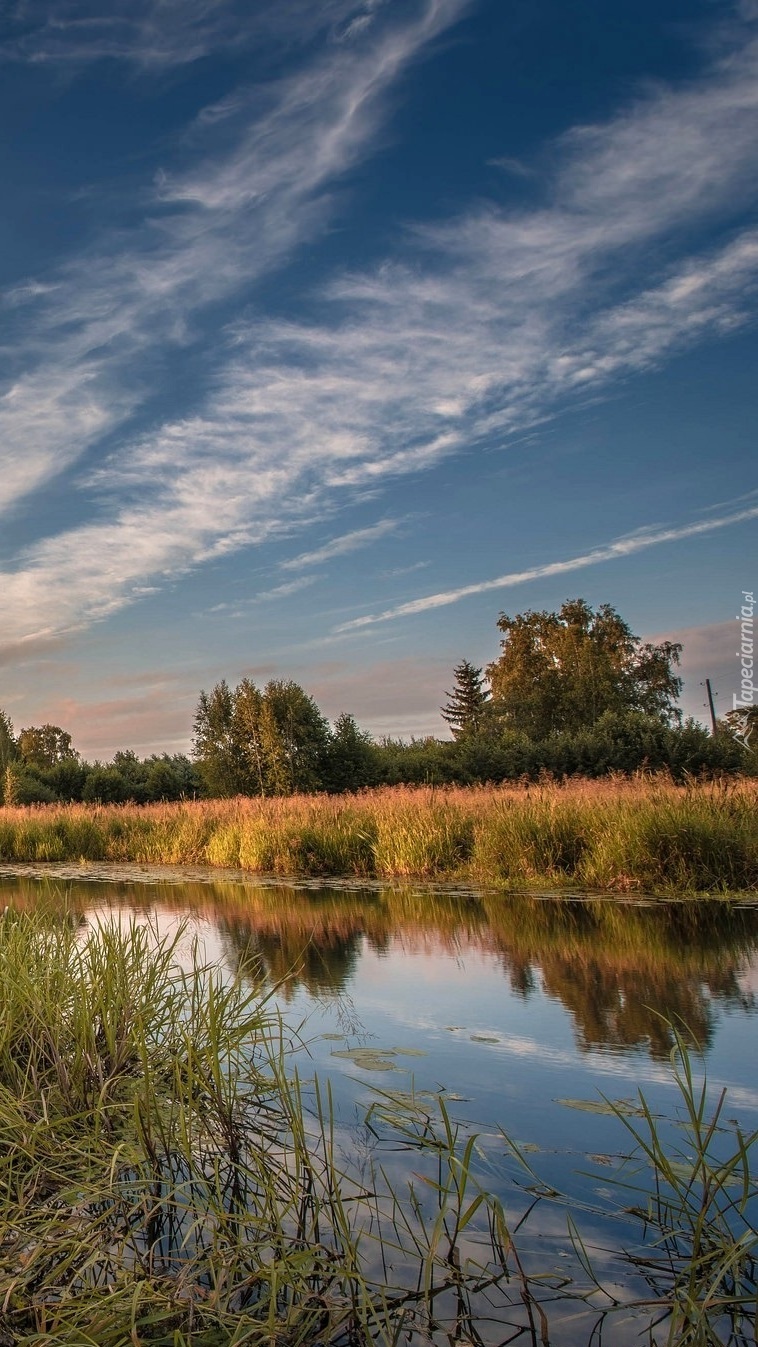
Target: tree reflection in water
617, 967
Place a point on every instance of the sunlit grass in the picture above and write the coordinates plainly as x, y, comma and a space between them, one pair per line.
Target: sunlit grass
640, 834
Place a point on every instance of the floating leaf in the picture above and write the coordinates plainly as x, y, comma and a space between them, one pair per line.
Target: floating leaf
484, 1038
369, 1059
687, 1173
334, 1038
610, 1106
409, 1052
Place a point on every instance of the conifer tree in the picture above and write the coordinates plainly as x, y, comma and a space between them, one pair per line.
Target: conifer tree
466, 707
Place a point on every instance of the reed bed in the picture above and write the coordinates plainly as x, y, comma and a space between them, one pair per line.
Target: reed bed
643, 834
165, 1180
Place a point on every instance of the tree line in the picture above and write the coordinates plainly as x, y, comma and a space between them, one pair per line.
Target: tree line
571, 692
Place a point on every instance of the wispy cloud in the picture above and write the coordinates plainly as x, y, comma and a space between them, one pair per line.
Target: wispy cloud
339, 547
623, 547
487, 325
289, 587
157, 34
76, 360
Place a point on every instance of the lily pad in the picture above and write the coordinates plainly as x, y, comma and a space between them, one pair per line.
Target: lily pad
409, 1052
369, 1059
608, 1107
484, 1038
333, 1038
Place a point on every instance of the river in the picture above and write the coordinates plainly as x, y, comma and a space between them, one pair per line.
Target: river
525, 1012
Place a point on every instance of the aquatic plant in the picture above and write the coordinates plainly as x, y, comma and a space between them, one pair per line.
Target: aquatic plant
166, 1177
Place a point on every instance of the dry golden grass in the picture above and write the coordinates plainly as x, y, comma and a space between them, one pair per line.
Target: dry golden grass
619, 833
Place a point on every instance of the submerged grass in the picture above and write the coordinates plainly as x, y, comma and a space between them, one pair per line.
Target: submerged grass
623, 834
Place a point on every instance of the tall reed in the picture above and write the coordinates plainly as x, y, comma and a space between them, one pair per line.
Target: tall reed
645, 834
164, 1180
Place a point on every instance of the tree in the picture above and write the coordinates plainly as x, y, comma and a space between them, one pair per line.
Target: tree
249, 742
8, 747
352, 757
466, 707
215, 749
560, 672
45, 746
8, 757
295, 738
249, 735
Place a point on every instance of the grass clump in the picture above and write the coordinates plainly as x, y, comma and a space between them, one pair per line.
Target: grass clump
535, 841
696, 1198
162, 1180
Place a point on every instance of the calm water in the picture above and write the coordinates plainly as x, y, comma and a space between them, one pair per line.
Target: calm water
521, 1009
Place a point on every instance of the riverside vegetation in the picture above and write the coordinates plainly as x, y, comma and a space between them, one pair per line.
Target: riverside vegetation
573, 693
645, 834
166, 1178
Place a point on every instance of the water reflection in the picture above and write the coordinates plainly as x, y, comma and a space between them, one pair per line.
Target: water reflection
615, 968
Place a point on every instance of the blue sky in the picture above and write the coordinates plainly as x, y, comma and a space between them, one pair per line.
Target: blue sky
330, 331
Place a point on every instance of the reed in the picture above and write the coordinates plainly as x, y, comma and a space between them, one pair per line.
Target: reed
696, 1199
643, 834
165, 1180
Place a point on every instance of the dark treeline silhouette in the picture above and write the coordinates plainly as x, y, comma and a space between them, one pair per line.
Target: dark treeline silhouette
572, 692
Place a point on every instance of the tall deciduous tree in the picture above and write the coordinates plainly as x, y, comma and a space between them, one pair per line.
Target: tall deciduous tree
8, 746
8, 756
45, 746
297, 735
466, 708
216, 751
560, 672
253, 742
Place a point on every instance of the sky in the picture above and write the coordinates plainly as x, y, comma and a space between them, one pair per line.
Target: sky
332, 329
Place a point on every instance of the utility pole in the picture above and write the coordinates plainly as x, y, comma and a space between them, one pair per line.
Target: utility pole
711, 705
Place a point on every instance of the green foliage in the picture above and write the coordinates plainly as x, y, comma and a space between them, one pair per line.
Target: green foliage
105, 785
216, 752
8, 746
352, 758
252, 742
45, 746
560, 672
296, 738
29, 787
466, 708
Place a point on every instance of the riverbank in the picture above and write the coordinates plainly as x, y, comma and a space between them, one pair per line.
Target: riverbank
621, 835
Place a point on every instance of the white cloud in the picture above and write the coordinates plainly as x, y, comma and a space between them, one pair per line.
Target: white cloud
289, 587
82, 351
490, 323
623, 547
157, 34
339, 547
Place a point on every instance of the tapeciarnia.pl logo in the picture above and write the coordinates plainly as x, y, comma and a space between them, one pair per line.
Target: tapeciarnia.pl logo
745, 698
